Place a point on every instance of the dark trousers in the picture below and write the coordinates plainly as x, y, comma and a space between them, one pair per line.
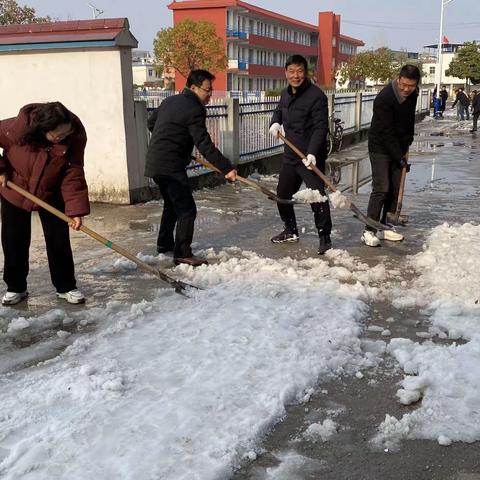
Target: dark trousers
16, 235
289, 182
475, 120
180, 211
386, 175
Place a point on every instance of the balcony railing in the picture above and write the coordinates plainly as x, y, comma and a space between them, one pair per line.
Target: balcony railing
244, 35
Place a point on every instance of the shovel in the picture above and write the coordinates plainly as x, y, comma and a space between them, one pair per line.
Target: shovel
171, 282
250, 183
401, 191
358, 214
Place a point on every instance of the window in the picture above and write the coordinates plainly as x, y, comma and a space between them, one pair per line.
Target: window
432, 70
150, 72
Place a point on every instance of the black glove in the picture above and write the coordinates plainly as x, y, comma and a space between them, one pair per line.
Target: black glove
404, 164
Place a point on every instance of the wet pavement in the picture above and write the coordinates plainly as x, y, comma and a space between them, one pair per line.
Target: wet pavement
443, 186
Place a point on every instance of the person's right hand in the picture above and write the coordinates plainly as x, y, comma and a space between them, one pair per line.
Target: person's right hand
231, 176
275, 129
3, 180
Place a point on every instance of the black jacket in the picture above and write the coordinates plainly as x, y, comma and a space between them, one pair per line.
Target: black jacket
476, 104
461, 97
304, 116
177, 125
393, 124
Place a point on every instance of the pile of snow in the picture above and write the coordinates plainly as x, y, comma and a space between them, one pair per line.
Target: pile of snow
181, 388
444, 379
307, 195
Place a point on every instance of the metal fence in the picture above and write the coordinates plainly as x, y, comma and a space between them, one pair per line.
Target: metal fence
239, 128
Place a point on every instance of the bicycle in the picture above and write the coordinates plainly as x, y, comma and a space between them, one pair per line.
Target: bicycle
333, 170
334, 141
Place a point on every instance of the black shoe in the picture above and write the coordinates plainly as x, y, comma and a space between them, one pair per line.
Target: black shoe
325, 243
192, 261
162, 249
285, 236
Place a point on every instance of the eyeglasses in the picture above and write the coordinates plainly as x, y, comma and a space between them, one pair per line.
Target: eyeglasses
208, 92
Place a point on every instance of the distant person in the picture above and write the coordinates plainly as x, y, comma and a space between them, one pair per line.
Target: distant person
462, 102
177, 125
389, 138
475, 110
443, 99
43, 153
302, 114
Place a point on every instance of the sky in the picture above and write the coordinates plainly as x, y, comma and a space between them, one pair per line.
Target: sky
410, 24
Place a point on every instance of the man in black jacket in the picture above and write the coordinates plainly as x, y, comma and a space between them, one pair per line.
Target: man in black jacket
389, 138
475, 110
302, 115
177, 125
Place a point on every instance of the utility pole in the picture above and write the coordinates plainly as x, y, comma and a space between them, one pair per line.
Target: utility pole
443, 4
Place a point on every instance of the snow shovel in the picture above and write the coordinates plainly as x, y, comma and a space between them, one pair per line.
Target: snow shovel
357, 213
250, 183
401, 191
176, 284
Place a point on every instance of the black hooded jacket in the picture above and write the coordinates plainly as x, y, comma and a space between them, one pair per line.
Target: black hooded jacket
177, 125
393, 124
304, 116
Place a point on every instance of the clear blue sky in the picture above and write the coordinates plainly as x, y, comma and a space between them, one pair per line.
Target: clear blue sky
405, 24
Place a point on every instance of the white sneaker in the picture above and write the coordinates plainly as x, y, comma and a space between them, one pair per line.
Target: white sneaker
12, 298
370, 239
390, 235
73, 296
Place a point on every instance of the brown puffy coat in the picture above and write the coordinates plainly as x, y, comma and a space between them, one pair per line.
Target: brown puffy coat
48, 173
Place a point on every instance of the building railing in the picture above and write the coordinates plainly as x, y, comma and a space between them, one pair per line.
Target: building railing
244, 34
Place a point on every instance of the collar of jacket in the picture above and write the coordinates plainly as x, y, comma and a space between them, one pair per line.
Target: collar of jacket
188, 93
306, 84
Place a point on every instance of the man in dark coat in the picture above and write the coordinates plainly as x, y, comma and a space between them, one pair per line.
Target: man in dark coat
177, 125
463, 103
302, 115
475, 110
389, 138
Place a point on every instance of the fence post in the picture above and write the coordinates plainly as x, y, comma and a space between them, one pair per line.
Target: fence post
231, 139
331, 111
358, 111
355, 168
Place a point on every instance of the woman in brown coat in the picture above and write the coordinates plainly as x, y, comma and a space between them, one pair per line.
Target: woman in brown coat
43, 148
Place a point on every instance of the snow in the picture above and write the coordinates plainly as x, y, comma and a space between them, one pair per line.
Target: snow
307, 195
182, 388
443, 377
338, 200
321, 431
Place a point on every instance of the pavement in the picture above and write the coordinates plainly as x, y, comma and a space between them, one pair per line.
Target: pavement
443, 186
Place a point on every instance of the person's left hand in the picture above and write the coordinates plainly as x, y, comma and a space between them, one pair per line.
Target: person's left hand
3, 180
309, 161
76, 224
231, 176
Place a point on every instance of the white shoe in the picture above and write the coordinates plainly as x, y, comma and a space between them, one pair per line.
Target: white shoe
73, 296
390, 235
12, 298
370, 239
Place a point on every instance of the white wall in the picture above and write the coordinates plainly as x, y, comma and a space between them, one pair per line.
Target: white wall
94, 84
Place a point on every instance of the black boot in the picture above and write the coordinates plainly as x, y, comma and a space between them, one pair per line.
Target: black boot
325, 243
289, 234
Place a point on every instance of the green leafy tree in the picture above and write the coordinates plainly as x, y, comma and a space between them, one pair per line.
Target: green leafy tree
11, 13
189, 45
466, 63
381, 65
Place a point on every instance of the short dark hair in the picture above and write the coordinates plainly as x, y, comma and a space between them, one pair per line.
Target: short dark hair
297, 60
45, 118
410, 71
196, 77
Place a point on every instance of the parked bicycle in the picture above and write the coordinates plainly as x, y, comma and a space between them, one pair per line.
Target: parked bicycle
335, 139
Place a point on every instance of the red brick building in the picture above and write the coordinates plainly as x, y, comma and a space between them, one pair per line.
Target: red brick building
258, 41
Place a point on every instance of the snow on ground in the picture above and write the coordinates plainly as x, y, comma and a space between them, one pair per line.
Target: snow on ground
184, 388
445, 377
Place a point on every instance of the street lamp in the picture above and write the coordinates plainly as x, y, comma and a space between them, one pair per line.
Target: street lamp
440, 42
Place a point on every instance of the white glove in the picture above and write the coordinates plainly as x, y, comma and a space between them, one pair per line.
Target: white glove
310, 160
275, 129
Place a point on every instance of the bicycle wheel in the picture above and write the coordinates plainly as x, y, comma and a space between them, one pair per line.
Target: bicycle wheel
329, 143
338, 139
333, 172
